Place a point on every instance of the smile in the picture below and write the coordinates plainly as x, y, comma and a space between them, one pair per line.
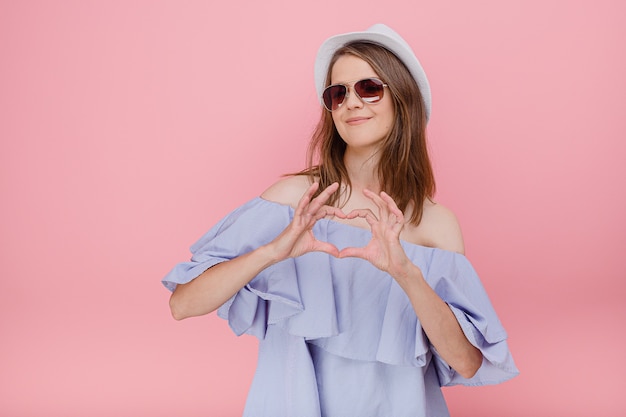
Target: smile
356, 120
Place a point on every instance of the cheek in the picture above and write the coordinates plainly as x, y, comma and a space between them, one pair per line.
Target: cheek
390, 118
338, 125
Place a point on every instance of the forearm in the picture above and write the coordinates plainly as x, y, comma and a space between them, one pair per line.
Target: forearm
216, 285
440, 324
219, 283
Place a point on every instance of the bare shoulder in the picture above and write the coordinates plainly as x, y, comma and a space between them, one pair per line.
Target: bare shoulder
288, 190
440, 228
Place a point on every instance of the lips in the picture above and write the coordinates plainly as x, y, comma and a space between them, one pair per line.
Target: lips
356, 120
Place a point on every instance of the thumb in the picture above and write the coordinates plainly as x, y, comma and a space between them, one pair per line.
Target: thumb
328, 248
351, 252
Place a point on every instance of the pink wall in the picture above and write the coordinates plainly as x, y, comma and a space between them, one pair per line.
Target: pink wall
128, 128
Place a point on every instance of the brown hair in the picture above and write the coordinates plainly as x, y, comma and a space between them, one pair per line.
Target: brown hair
404, 169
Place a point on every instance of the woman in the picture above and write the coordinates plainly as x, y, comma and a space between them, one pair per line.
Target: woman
350, 275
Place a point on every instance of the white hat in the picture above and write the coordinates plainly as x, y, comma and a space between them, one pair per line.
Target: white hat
387, 38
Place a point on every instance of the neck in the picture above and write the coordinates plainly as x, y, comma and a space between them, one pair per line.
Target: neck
363, 170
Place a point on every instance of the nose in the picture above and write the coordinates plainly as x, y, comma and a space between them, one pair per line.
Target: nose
352, 101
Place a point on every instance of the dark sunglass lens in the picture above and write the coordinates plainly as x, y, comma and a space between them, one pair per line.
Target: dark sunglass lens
370, 90
333, 96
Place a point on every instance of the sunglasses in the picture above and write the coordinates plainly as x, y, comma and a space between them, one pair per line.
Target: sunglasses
369, 90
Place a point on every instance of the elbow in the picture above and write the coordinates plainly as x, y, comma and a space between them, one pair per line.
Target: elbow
469, 372
177, 316
181, 307
472, 365
177, 311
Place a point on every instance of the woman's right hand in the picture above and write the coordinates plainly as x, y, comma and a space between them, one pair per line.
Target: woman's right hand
217, 284
298, 238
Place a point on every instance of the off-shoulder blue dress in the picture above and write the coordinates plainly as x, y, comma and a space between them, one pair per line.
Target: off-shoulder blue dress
339, 337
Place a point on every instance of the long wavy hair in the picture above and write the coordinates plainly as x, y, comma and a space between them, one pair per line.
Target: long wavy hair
404, 168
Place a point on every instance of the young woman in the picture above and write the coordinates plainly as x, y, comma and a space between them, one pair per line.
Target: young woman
351, 276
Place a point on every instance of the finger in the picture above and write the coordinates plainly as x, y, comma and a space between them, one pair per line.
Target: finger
329, 212
363, 213
392, 205
306, 198
374, 197
389, 211
330, 189
384, 209
398, 220
323, 197
351, 252
325, 247
366, 214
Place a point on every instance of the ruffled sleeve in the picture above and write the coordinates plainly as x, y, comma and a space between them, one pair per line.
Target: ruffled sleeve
273, 295
454, 279
243, 230
348, 307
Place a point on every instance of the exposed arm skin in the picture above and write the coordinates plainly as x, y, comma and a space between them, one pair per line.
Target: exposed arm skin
216, 285
437, 319
439, 323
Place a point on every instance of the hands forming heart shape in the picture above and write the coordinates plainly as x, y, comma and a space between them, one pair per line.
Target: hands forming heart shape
383, 250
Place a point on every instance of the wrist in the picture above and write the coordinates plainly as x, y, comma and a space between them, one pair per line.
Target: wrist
269, 254
408, 274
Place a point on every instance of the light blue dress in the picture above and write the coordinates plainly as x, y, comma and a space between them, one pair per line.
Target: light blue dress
339, 337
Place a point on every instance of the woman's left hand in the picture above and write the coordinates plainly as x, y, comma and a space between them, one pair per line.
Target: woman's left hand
384, 250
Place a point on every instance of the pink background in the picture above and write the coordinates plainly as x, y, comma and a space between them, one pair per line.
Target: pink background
128, 128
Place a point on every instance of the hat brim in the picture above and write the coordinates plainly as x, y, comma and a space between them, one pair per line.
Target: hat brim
381, 35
